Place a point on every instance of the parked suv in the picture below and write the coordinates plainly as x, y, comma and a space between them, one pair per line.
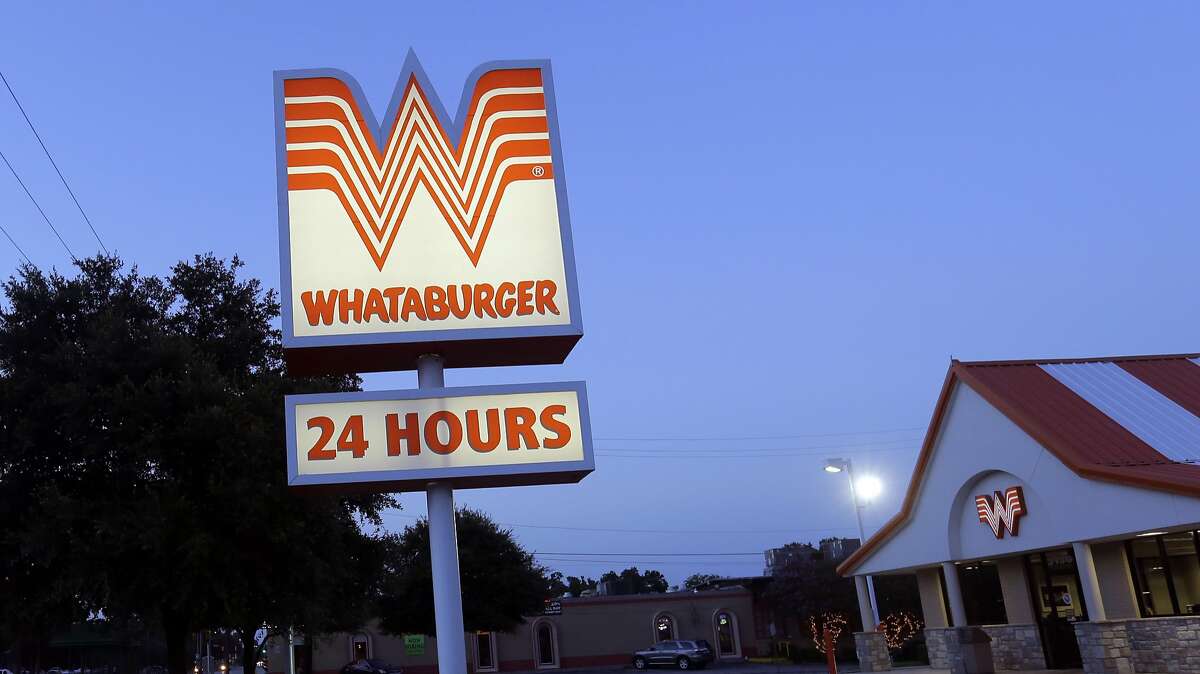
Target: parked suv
681, 654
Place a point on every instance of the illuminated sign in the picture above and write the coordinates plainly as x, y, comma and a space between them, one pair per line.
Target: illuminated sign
481, 436
1002, 511
422, 234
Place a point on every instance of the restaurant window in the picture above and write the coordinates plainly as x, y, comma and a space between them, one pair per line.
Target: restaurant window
1166, 573
545, 638
982, 596
725, 626
664, 627
360, 647
485, 652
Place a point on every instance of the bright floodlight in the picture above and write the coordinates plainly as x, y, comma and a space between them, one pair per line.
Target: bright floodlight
834, 465
869, 487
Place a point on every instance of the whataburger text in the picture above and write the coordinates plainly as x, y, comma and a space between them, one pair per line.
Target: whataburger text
477, 431
400, 304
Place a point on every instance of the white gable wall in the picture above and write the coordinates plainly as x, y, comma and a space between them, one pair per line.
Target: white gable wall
978, 451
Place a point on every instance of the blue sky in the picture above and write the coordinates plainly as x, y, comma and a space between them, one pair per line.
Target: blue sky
788, 217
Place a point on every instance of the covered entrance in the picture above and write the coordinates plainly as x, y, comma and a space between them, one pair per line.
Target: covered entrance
1054, 506
1054, 590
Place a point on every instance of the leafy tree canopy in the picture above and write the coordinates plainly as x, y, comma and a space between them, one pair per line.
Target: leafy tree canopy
807, 583
633, 581
699, 580
501, 582
142, 461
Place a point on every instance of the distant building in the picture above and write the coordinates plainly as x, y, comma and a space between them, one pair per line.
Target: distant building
573, 632
833, 549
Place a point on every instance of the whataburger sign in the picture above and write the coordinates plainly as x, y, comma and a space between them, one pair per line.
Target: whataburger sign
421, 242
421, 233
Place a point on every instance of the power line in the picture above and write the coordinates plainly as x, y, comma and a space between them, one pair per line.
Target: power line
38, 206
731, 455
52, 162
14, 243
765, 437
619, 562
663, 531
653, 554
879, 445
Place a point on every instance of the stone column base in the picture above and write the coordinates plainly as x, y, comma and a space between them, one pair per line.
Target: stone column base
1016, 647
942, 646
872, 651
1104, 647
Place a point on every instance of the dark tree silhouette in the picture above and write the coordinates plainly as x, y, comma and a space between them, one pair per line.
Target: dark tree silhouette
501, 583
142, 461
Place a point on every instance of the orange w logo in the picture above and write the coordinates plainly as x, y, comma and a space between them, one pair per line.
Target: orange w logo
1002, 511
505, 138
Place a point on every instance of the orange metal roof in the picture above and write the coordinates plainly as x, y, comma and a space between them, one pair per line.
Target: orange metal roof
1132, 420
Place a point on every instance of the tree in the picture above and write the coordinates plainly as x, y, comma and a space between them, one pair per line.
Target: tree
559, 585
501, 583
577, 585
141, 449
633, 581
697, 580
806, 583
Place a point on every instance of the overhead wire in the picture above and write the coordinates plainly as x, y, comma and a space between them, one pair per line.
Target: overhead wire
763, 437
653, 554
52, 162
38, 206
14, 243
792, 530
880, 445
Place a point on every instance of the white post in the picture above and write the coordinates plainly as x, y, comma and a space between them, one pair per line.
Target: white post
870, 620
862, 540
1089, 580
443, 551
291, 646
958, 610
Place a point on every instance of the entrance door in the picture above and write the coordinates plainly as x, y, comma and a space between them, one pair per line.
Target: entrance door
1058, 602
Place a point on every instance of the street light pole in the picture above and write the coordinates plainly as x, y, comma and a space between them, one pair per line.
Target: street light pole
837, 466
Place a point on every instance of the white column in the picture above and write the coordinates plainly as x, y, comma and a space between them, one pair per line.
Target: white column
1089, 580
291, 648
443, 552
958, 610
865, 608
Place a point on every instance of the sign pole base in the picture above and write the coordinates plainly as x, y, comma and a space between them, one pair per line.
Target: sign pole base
443, 551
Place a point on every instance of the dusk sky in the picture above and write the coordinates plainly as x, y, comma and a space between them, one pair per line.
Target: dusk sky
788, 218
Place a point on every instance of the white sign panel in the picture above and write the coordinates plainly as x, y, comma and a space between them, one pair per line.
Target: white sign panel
418, 233
484, 436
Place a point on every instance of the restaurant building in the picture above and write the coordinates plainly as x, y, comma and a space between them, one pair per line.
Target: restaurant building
1055, 504
575, 632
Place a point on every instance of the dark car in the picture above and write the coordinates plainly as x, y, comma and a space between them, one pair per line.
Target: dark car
680, 654
371, 666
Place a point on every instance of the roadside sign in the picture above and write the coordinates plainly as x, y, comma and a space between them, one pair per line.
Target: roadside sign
419, 233
414, 644
552, 607
479, 436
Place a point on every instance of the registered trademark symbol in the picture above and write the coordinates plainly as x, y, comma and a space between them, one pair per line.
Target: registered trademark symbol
539, 171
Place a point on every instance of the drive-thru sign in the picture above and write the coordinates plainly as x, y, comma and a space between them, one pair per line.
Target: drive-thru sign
420, 231
418, 241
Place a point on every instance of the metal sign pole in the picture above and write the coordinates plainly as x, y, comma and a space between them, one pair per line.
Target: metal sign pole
443, 551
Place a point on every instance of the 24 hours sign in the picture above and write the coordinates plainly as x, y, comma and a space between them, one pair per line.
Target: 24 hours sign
483, 436
422, 233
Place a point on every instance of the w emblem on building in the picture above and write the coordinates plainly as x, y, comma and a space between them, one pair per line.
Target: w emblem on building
1002, 511
502, 136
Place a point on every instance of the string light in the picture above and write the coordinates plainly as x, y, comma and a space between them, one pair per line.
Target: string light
899, 628
834, 623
